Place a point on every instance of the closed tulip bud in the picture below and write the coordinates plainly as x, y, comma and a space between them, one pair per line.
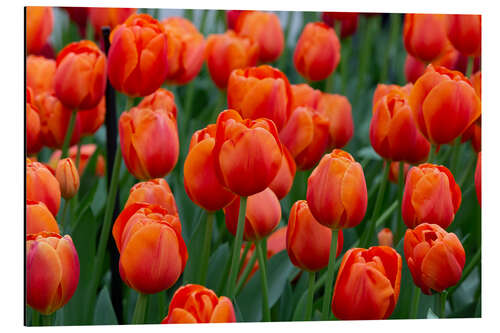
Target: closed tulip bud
40, 73
108, 17
39, 23
186, 48
477, 178
337, 110
368, 284
39, 218
137, 58
435, 257
154, 192
464, 32
307, 241
394, 172
42, 185
86, 152
92, 119
444, 104
260, 92
67, 176
298, 132
52, 271
348, 22
152, 251
149, 138
263, 214
227, 52
336, 191
194, 304
317, 53
80, 77
33, 126
430, 195
265, 29
247, 153
424, 35
311, 155
385, 237
283, 181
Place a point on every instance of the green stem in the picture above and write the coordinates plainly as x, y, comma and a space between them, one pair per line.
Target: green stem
442, 297
188, 105
344, 62
327, 297
472, 162
206, 247
310, 296
46, 320
35, 317
470, 66
455, 154
401, 186
233, 272
266, 314
395, 22
162, 306
329, 84
203, 21
248, 245
282, 62
140, 309
78, 154
64, 213
69, 133
415, 302
246, 273
431, 153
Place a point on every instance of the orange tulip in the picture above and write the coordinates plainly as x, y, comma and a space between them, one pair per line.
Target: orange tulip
39, 218
40, 73
424, 35
338, 112
52, 271
311, 155
476, 82
86, 152
307, 241
385, 237
430, 195
336, 191
33, 126
258, 92
265, 29
148, 136
348, 22
232, 17
91, 120
138, 56
384, 89
247, 153
192, 304
185, 49
263, 214
80, 78
42, 185
200, 179
435, 257
108, 17
67, 176
444, 104
154, 192
473, 133
368, 284
477, 178
317, 53
394, 172
304, 95
464, 32
152, 251
283, 181
227, 52
39, 23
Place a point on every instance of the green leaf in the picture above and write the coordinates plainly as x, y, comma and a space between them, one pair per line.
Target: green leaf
195, 246
431, 314
216, 266
104, 313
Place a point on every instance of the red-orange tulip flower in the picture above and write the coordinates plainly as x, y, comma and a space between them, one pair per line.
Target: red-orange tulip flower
80, 78
148, 136
33, 125
42, 185
444, 104
336, 191
261, 91
430, 195
307, 241
464, 32
52, 271
265, 29
232, 17
137, 58
435, 257
192, 304
424, 35
385, 237
39, 218
154, 192
348, 22
317, 53
476, 82
311, 155
186, 48
68, 178
86, 152
263, 214
304, 95
473, 133
477, 178
394, 172
108, 17
368, 284
384, 89
283, 181
91, 120
338, 111
39, 22
40, 73
247, 153
152, 251
227, 52
200, 179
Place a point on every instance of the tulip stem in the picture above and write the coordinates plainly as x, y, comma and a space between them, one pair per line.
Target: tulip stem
454, 154
233, 272
35, 318
246, 273
310, 296
282, 62
69, 133
442, 297
140, 309
266, 313
327, 297
46, 320
206, 247
470, 66
63, 217
248, 245
415, 303
401, 186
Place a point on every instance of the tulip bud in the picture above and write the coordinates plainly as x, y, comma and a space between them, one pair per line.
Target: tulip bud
86, 152
464, 32
283, 181
424, 35
39, 218
394, 172
52, 271
435, 257
385, 237
41, 185
348, 22
39, 23
154, 192
67, 176
193, 304
477, 178
33, 126
337, 109
368, 284
430, 195
317, 53
152, 251
307, 241
40, 73
108, 17
336, 191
